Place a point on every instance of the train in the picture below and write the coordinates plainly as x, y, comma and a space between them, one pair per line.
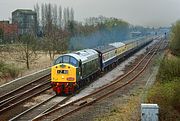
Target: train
71, 71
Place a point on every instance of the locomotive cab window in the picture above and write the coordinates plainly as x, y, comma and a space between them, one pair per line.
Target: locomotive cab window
62, 71
58, 60
67, 59
73, 61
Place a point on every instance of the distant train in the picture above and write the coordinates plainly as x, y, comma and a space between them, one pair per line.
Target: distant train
74, 70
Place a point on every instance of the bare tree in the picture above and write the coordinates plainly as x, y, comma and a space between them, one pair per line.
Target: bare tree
60, 17
25, 50
72, 14
65, 17
43, 17
67, 14
37, 10
55, 16
55, 38
57, 43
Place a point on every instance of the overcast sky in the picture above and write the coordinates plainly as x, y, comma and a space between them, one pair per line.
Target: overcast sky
137, 12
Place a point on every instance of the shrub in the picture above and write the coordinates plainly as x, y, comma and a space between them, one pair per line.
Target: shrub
175, 39
8, 70
167, 96
169, 70
13, 71
2, 68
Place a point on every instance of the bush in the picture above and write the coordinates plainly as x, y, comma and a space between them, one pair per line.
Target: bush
2, 68
175, 39
13, 71
167, 96
8, 70
169, 70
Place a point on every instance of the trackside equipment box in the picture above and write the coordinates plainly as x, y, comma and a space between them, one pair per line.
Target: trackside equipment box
149, 112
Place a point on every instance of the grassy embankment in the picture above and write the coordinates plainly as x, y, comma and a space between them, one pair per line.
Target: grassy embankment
166, 91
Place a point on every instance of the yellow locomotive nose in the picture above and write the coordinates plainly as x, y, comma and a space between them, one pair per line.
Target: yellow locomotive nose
63, 78
63, 73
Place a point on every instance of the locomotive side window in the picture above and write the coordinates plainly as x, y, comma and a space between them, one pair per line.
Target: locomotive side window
62, 71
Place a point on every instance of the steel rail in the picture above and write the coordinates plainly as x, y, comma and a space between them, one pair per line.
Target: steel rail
23, 100
14, 92
21, 114
13, 98
40, 104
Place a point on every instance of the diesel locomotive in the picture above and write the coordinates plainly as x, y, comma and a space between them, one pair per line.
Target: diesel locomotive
72, 71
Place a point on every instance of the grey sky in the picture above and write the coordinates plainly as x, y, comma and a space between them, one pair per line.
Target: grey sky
137, 12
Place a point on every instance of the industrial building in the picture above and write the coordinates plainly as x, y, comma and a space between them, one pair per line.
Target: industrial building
26, 21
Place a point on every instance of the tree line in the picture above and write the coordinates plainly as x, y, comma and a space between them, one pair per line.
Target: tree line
175, 39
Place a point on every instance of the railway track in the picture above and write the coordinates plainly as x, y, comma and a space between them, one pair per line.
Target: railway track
23, 88
66, 110
16, 98
41, 108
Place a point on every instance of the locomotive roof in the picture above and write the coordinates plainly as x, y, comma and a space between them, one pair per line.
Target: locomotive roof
117, 44
84, 55
105, 48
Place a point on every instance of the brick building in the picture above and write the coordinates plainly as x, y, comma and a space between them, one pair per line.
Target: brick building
8, 31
